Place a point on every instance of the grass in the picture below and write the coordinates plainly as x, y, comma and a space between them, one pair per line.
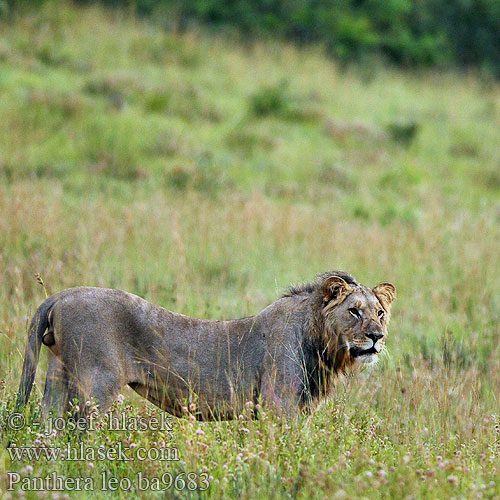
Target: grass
206, 176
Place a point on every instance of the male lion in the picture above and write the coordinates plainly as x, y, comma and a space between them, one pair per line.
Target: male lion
287, 355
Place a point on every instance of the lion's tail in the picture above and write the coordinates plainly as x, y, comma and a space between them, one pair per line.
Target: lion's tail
39, 324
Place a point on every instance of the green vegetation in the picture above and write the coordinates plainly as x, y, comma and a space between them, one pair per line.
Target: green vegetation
206, 176
453, 32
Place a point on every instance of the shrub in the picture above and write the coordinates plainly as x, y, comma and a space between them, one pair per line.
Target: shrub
271, 100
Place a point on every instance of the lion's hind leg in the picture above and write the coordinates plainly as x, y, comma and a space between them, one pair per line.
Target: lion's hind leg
99, 384
94, 370
55, 395
106, 385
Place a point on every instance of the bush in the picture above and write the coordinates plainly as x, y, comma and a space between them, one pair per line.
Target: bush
271, 100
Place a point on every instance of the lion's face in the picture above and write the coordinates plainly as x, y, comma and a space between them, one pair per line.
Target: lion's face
358, 317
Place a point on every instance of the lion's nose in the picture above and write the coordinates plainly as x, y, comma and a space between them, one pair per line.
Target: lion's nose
374, 336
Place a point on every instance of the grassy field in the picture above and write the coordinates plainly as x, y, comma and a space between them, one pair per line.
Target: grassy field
206, 174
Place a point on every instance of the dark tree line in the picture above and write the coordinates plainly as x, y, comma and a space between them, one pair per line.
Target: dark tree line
405, 32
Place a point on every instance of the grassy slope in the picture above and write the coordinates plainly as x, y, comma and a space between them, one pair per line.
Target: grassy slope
135, 159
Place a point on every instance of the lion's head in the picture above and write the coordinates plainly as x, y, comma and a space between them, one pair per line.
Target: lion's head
355, 317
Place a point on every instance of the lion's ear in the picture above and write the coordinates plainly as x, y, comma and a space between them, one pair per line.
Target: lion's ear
386, 293
336, 288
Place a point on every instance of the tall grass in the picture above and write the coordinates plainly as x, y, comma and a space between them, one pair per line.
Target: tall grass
142, 160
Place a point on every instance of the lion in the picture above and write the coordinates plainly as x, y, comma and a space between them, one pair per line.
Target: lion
287, 356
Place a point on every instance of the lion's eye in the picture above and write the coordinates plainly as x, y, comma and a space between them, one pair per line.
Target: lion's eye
381, 314
355, 312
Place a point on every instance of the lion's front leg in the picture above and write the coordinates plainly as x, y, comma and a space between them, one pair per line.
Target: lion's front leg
283, 390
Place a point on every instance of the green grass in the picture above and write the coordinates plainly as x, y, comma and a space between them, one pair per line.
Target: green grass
206, 176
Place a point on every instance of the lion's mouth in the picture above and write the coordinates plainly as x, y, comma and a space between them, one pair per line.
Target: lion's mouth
356, 351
